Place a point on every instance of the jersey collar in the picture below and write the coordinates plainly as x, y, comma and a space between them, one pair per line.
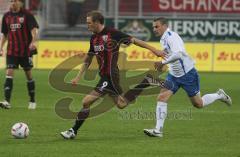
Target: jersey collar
165, 33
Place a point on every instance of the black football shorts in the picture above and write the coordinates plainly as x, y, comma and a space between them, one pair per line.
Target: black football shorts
25, 62
109, 85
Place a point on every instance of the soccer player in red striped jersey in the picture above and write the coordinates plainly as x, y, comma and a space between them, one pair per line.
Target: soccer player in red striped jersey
104, 44
20, 29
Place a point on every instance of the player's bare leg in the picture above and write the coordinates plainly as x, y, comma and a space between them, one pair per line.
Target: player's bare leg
131, 95
200, 102
8, 86
87, 101
161, 113
31, 89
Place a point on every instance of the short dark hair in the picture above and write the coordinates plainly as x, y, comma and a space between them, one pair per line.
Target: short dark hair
163, 20
96, 16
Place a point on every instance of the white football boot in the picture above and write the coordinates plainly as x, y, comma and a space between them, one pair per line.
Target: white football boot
69, 134
32, 106
4, 104
224, 97
153, 132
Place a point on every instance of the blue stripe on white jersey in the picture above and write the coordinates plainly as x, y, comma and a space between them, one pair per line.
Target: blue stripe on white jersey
181, 61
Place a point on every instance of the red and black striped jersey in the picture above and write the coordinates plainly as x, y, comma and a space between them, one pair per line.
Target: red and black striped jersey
105, 46
17, 28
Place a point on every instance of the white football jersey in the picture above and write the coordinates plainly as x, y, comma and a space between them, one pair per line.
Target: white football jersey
178, 60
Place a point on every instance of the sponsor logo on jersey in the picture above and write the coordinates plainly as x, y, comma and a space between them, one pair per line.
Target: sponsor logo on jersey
15, 26
99, 48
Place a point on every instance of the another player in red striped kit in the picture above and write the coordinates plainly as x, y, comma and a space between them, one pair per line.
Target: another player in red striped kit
20, 29
104, 44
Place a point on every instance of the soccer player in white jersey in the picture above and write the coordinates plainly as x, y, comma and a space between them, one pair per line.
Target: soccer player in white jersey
182, 74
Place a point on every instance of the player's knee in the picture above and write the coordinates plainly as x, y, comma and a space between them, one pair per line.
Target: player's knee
121, 103
120, 106
10, 72
198, 105
162, 97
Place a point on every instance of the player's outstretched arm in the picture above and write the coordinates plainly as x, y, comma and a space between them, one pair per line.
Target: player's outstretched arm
84, 67
143, 44
2, 42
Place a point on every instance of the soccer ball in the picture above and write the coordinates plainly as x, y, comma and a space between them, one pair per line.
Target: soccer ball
20, 130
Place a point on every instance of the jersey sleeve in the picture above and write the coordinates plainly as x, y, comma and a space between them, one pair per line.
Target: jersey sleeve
122, 38
175, 44
4, 27
31, 22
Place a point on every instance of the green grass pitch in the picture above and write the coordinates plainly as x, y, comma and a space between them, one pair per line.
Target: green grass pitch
212, 131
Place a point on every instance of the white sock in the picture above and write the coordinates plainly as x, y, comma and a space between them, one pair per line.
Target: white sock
161, 114
210, 98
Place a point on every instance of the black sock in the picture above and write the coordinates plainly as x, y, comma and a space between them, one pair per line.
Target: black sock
31, 90
81, 117
132, 94
8, 88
